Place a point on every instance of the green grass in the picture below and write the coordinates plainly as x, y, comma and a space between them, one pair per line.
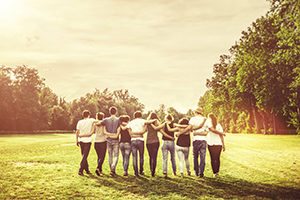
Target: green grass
46, 166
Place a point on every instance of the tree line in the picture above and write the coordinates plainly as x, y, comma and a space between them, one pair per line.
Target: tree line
28, 104
256, 87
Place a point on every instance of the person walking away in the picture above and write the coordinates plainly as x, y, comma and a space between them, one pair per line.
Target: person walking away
152, 142
215, 141
84, 127
111, 125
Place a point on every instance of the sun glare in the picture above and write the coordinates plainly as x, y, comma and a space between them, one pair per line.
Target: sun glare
8, 8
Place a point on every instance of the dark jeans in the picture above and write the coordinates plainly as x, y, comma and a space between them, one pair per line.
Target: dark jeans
215, 152
152, 150
137, 146
199, 149
100, 148
85, 150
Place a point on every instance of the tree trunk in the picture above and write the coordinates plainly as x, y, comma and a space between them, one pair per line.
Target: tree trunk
257, 119
275, 131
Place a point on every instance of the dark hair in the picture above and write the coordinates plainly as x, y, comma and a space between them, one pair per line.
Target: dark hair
112, 110
124, 118
137, 114
99, 115
86, 114
153, 116
169, 117
183, 121
213, 120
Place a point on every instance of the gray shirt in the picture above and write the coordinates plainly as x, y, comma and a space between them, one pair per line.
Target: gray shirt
111, 124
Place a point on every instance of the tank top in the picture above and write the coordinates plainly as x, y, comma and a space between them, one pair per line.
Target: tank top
125, 137
184, 140
168, 132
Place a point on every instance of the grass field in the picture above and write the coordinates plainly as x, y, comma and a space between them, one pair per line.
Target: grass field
46, 166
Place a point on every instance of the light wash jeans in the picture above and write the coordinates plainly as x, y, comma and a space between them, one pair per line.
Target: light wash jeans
199, 149
137, 146
168, 145
183, 155
113, 154
125, 148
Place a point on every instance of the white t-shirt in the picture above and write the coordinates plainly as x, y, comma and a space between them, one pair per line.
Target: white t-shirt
213, 138
85, 126
137, 125
196, 121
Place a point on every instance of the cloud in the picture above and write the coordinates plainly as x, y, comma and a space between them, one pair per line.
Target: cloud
162, 51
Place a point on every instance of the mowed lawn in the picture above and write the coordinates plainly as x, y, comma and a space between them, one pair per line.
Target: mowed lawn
46, 166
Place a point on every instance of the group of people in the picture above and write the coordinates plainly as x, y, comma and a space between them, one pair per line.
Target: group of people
116, 134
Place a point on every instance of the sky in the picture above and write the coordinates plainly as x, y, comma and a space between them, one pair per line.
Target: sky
162, 51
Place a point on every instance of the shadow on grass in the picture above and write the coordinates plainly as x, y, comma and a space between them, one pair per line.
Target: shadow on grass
194, 188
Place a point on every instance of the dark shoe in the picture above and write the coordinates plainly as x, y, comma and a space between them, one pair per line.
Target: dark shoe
125, 174
88, 172
112, 173
189, 173
152, 174
137, 175
201, 175
165, 175
98, 172
174, 173
142, 173
80, 173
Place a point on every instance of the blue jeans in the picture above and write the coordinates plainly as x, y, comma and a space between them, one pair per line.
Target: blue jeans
168, 145
125, 150
183, 155
137, 146
113, 154
152, 150
199, 149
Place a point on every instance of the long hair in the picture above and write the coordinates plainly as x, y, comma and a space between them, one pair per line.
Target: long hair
99, 115
213, 120
153, 115
169, 117
183, 121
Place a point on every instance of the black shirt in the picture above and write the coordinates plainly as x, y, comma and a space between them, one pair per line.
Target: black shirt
125, 137
168, 132
184, 140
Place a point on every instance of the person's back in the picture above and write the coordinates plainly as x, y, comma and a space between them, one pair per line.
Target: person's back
84, 126
197, 121
137, 125
112, 124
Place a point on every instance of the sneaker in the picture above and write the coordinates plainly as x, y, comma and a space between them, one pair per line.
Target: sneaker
142, 173
201, 175
98, 172
88, 172
181, 174
80, 173
152, 174
165, 175
174, 173
216, 175
125, 174
189, 173
112, 173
